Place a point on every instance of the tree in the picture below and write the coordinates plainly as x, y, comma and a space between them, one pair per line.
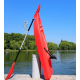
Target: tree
32, 45
65, 45
5, 46
52, 46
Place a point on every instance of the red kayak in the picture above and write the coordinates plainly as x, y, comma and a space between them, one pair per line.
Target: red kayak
41, 44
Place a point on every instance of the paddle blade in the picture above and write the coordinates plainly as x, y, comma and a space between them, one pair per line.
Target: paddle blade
10, 72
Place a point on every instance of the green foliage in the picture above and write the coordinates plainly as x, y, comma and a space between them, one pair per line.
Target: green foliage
52, 46
65, 45
5, 46
24, 46
14, 45
13, 41
32, 45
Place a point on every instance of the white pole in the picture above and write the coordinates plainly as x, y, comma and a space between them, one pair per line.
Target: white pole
36, 66
25, 29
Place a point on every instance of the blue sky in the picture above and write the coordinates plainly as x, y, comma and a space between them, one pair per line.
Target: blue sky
58, 18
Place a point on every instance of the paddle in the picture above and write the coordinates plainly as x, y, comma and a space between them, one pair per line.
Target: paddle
51, 56
12, 67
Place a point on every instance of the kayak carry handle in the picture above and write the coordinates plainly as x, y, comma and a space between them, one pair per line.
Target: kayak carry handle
51, 56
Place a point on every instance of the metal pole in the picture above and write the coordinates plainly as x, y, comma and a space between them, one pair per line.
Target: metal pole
25, 29
27, 42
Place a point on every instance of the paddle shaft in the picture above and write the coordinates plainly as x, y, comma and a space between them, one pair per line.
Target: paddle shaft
23, 40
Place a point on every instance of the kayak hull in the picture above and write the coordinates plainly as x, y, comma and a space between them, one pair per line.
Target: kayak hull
41, 44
